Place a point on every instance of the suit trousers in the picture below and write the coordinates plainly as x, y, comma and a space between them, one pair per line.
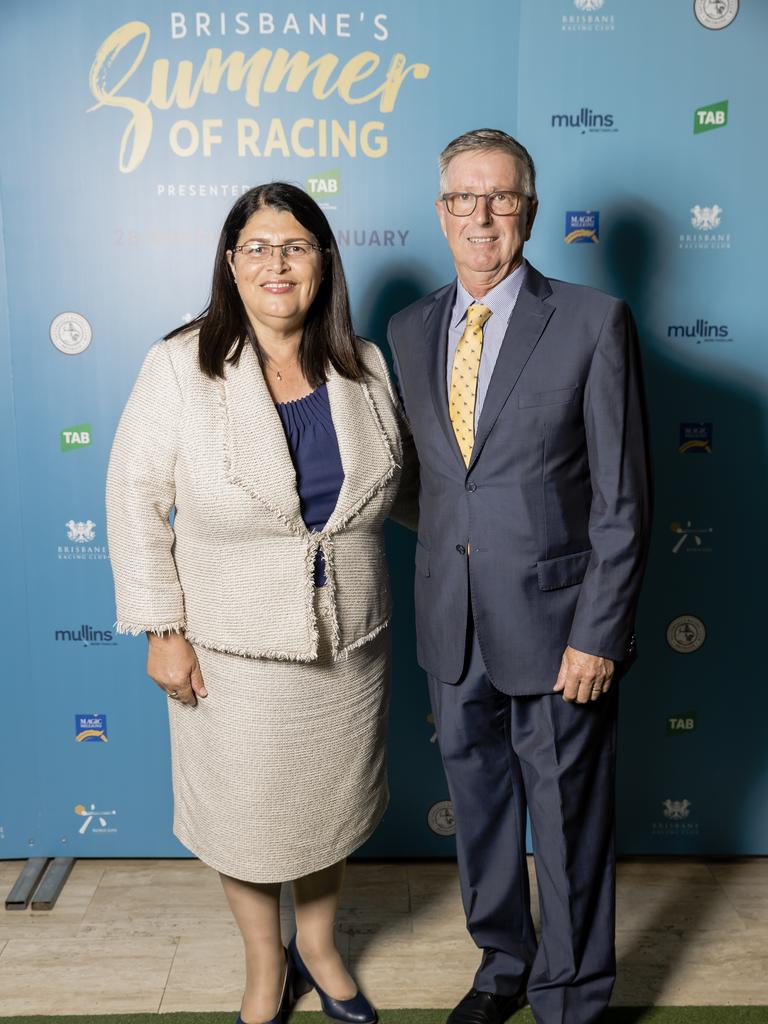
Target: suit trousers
504, 755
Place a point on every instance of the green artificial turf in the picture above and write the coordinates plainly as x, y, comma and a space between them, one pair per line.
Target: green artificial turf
616, 1015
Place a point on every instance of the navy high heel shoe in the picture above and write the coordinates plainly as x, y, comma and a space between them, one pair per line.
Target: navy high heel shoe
284, 1006
356, 1010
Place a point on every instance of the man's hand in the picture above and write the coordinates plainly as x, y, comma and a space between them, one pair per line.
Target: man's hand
583, 677
172, 664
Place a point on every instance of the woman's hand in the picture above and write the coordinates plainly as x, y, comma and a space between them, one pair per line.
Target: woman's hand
173, 665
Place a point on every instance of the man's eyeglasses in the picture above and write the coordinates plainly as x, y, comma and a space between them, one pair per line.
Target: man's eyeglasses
261, 252
500, 204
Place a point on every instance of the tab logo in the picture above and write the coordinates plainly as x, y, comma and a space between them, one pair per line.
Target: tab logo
706, 119
684, 722
324, 188
76, 437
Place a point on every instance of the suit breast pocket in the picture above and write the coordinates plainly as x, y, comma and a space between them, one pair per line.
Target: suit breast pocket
557, 396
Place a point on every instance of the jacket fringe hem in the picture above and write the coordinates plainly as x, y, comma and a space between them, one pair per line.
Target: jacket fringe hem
137, 628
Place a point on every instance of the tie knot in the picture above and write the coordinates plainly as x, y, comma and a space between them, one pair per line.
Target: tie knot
477, 314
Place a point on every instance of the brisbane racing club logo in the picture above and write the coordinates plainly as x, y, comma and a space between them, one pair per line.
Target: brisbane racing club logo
707, 119
676, 809
71, 333
676, 819
706, 220
590, 18
695, 439
91, 728
91, 815
582, 226
82, 533
686, 634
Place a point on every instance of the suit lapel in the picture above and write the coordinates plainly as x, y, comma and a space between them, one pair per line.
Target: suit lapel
364, 447
526, 325
437, 318
257, 452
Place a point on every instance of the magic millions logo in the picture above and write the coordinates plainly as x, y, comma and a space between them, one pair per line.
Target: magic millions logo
695, 439
676, 819
591, 17
584, 121
707, 234
91, 728
81, 547
582, 226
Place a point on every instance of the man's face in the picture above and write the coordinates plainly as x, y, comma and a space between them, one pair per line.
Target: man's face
486, 247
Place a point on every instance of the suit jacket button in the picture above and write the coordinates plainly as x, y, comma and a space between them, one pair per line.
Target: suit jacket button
471, 487
461, 549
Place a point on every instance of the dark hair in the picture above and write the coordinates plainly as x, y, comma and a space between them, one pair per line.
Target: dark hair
328, 337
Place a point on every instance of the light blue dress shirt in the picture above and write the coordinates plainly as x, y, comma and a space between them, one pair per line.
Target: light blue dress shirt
501, 300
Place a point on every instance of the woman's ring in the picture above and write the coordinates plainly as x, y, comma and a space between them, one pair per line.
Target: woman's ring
174, 694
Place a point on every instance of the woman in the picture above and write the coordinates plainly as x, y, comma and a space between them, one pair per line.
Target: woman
276, 435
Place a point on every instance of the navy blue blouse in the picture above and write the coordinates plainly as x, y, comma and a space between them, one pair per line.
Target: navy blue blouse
314, 449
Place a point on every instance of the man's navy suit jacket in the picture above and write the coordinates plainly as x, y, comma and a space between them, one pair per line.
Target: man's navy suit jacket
548, 525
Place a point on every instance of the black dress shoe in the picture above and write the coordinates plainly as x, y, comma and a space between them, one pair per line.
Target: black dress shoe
486, 1008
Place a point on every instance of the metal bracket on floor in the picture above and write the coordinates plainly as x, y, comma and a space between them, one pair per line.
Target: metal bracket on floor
24, 886
40, 883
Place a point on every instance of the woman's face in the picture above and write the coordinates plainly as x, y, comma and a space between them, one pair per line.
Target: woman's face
277, 291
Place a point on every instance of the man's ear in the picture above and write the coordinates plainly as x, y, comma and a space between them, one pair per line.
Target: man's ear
533, 207
441, 214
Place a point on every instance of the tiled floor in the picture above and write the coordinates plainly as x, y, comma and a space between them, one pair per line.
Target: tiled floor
150, 935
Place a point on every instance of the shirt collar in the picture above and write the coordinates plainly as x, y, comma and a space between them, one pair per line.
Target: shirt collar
500, 299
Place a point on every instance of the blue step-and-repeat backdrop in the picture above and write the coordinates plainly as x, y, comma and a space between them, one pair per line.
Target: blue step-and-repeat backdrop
129, 128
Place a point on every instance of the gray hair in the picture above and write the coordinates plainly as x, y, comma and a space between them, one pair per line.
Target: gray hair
487, 139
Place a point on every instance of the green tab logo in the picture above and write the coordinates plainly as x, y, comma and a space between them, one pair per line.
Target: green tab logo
324, 186
78, 436
706, 119
683, 722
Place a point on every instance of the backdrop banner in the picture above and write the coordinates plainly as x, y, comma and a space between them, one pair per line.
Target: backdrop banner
130, 128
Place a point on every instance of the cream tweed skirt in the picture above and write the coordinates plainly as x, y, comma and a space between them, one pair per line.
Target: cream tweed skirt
280, 771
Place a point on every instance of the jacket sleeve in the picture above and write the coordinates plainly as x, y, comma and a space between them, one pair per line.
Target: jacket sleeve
619, 522
140, 495
405, 509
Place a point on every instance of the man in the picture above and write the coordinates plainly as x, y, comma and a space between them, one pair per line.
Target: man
525, 400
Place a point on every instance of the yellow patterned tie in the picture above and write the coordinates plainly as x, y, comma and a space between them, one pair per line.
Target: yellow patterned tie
466, 363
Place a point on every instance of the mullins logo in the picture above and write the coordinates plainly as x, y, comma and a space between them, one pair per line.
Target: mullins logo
586, 121
699, 331
706, 119
86, 636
